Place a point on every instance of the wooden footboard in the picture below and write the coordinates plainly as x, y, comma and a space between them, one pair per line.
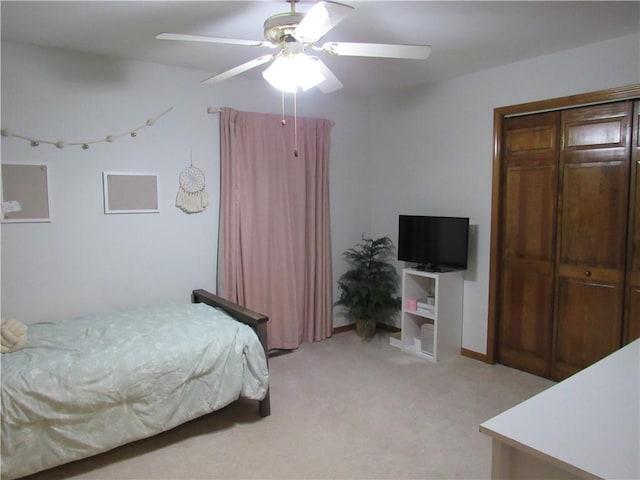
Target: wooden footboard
256, 321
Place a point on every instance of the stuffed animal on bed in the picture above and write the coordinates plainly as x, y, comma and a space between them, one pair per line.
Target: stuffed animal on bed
13, 335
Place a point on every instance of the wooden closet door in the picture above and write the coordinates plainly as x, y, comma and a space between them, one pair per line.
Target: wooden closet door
593, 216
632, 310
528, 238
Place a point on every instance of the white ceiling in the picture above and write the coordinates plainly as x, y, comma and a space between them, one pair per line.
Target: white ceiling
465, 36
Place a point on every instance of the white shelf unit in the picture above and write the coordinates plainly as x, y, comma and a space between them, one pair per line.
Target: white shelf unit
447, 289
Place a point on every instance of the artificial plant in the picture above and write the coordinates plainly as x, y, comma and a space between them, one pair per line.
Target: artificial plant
368, 289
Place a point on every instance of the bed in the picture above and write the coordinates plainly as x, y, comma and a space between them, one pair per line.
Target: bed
86, 385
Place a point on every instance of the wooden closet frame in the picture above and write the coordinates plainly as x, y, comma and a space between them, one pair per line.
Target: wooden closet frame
499, 115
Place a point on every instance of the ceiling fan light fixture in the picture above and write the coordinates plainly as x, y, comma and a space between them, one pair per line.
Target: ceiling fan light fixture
292, 34
290, 73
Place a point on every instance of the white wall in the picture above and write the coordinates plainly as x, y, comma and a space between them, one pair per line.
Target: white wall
86, 261
424, 150
432, 147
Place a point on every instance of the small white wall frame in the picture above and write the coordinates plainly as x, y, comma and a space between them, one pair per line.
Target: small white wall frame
28, 184
126, 192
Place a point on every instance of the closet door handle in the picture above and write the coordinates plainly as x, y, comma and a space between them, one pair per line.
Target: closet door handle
587, 273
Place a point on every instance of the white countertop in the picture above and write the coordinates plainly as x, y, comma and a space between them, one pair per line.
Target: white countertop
590, 421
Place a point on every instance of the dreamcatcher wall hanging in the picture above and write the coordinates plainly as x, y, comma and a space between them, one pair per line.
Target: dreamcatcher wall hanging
192, 195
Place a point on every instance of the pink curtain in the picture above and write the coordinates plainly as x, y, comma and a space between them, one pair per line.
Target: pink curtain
275, 251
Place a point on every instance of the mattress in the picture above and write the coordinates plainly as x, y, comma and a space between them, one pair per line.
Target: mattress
86, 385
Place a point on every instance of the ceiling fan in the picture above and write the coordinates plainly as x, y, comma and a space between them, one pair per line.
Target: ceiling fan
293, 34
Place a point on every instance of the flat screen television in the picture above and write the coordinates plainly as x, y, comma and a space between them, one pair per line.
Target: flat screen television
434, 243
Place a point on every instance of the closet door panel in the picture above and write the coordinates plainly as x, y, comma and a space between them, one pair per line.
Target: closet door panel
528, 216
525, 339
594, 214
528, 231
592, 227
585, 330
632, 310
527, 279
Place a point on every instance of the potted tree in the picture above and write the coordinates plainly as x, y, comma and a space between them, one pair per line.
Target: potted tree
368, 288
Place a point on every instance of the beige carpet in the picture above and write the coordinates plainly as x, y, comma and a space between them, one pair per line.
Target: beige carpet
340, 409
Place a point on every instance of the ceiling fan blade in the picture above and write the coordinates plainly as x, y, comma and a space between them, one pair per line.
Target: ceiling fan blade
331, 82
256, 62
322, 17
207, 39
416, 52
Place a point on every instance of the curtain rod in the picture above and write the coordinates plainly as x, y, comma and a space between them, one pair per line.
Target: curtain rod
219, 109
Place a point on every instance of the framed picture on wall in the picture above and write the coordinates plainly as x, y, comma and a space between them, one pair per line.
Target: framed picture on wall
25, 193
126, 192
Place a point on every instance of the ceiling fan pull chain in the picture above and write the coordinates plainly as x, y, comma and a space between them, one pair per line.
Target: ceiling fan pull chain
283, 122
295, 123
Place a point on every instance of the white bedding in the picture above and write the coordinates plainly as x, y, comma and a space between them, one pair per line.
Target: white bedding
87, 385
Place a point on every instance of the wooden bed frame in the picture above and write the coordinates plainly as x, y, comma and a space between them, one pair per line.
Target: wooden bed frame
256, 321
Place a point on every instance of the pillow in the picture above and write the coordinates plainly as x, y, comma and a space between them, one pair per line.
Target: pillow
13, 335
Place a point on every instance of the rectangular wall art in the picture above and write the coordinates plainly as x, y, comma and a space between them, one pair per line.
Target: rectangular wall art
26, 189
126, 192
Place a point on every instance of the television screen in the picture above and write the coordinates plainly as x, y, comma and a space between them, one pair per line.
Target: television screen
435, 243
